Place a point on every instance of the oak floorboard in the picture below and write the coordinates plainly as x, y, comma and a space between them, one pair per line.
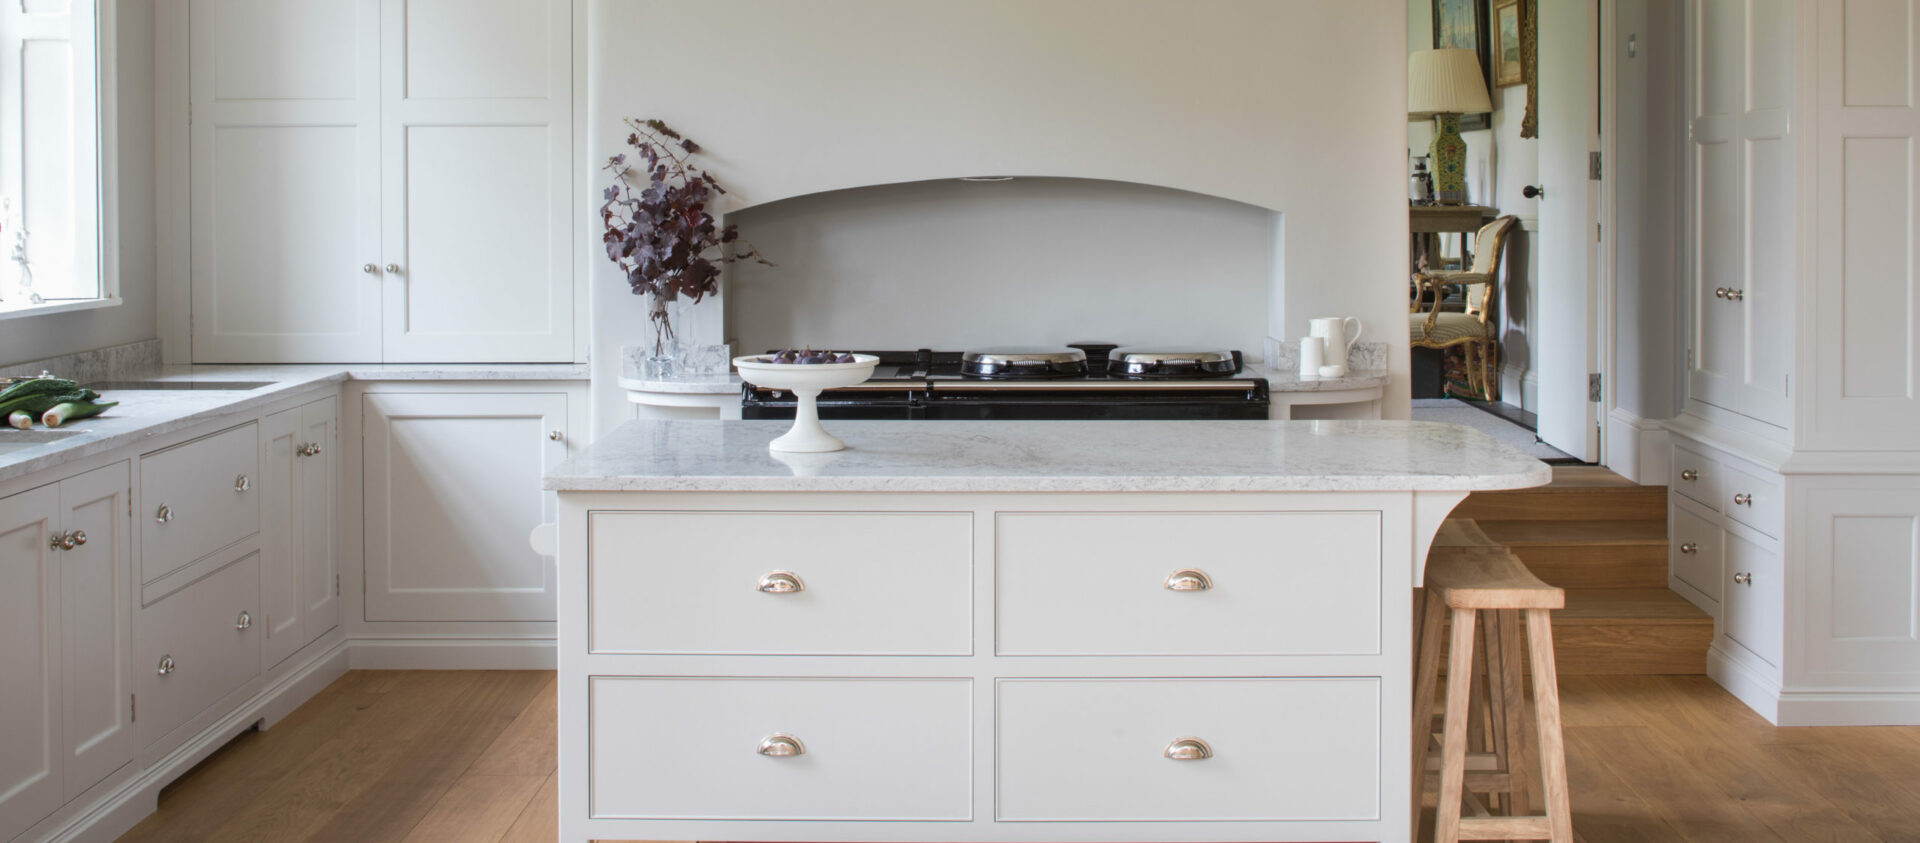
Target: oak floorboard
430, 764
477, 809
527, 746
1676, 791
539, 820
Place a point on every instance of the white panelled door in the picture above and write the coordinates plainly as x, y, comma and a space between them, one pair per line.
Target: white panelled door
297, 587
29, 659
1744, 205
452, 489
1566, 346
476, 128
96, 635
285, 159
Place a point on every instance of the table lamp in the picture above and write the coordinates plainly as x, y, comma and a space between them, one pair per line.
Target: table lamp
1444, 84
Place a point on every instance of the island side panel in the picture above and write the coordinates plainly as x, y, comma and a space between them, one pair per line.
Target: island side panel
1399, 538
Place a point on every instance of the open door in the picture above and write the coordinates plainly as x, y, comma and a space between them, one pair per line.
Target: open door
1566, 342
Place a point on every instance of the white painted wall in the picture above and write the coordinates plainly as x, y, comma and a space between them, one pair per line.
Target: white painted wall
950, 264
1297, 107
55, 334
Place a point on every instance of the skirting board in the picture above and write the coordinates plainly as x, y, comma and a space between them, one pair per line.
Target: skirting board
468, 653
1812, 708
1637, 448
1744, 683
120, 807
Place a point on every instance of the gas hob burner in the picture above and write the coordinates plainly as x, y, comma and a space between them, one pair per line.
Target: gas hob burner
1155, 362
1024, 362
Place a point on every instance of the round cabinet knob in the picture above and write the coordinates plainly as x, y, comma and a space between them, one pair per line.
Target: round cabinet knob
165, 667
241, 483
1689, 548
369, 268
1189, 749
781, 745
1743, 578
245, 621
1743, 499
1188, 579
393, 269
1689, 474
782, 582
1719, 292
60, 541
164, 515
78, 537
556, 435
1736, 295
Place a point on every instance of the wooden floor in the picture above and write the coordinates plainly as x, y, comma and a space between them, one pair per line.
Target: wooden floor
468, 756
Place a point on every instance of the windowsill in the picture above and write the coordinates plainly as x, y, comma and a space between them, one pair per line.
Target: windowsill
13, 311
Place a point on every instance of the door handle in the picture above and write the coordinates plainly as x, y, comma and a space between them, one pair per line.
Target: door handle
1534, 191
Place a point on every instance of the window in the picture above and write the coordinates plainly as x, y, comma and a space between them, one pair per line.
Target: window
50, 157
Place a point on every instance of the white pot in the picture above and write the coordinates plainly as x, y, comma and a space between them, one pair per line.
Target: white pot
805, 381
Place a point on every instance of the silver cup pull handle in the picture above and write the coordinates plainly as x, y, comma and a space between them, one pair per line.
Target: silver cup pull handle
1189, 749
781, 745
1188, 579
165, 667
782, 582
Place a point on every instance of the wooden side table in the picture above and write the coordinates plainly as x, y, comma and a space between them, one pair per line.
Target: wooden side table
1426, 221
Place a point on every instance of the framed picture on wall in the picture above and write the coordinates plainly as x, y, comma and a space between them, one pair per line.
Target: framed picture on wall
1507, 68
1462, 24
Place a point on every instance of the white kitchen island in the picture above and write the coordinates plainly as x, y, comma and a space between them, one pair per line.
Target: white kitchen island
999, 631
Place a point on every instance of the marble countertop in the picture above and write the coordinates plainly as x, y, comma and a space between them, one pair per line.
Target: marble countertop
143, 414
1053, 456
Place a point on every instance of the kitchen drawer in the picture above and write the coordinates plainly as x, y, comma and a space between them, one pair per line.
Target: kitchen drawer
690, 748
1753, 613
1276, 583
199, 496
1697, 477
207, 630
1282, 749
1752, 500
1695, 552
864, 583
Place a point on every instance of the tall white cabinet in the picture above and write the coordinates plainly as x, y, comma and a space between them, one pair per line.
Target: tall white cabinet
1795, 495
381, 180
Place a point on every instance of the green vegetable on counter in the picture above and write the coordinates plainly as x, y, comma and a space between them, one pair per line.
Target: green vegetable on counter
26, 394
21, 420
71, 410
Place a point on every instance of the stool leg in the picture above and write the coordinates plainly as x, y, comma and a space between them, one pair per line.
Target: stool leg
1499, 716
1426, 679
1553, 753
1453, 736
1519, 757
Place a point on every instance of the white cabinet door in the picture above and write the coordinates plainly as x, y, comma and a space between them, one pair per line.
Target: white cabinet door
297, 587
29, 659
451, 489
1753, 598
476, 157
96, 636
285, 160
281, 600
316, 491
1743, 207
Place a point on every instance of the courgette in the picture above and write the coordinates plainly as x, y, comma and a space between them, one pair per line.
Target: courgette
74, 410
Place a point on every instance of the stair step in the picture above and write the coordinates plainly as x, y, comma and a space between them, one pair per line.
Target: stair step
1587, 554
1587, 492
1545, 532
1630, 631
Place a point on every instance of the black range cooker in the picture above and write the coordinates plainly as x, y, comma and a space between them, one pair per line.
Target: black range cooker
1084, 381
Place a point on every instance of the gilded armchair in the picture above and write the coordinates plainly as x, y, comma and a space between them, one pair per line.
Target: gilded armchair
1432, 325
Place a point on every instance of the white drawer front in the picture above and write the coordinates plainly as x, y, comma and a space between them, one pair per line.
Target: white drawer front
1695, 552
1753, 614
1276, 583
199, 496
1283, 749
871, 583
689, 749
1697, 477
199, 629
1752, 501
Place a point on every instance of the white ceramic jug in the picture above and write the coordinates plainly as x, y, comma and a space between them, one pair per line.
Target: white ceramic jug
1333, 331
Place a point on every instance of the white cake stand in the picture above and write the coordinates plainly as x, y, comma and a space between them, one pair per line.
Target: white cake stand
805, 381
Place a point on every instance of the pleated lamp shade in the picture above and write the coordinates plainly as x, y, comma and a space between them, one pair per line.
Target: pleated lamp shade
1445, 82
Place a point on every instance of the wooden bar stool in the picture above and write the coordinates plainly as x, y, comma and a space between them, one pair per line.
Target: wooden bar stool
1462, 582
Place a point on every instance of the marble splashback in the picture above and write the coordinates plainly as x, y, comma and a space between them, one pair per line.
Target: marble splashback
111, 363
1284, 355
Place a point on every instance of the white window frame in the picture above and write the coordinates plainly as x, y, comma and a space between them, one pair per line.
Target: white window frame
106, 157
